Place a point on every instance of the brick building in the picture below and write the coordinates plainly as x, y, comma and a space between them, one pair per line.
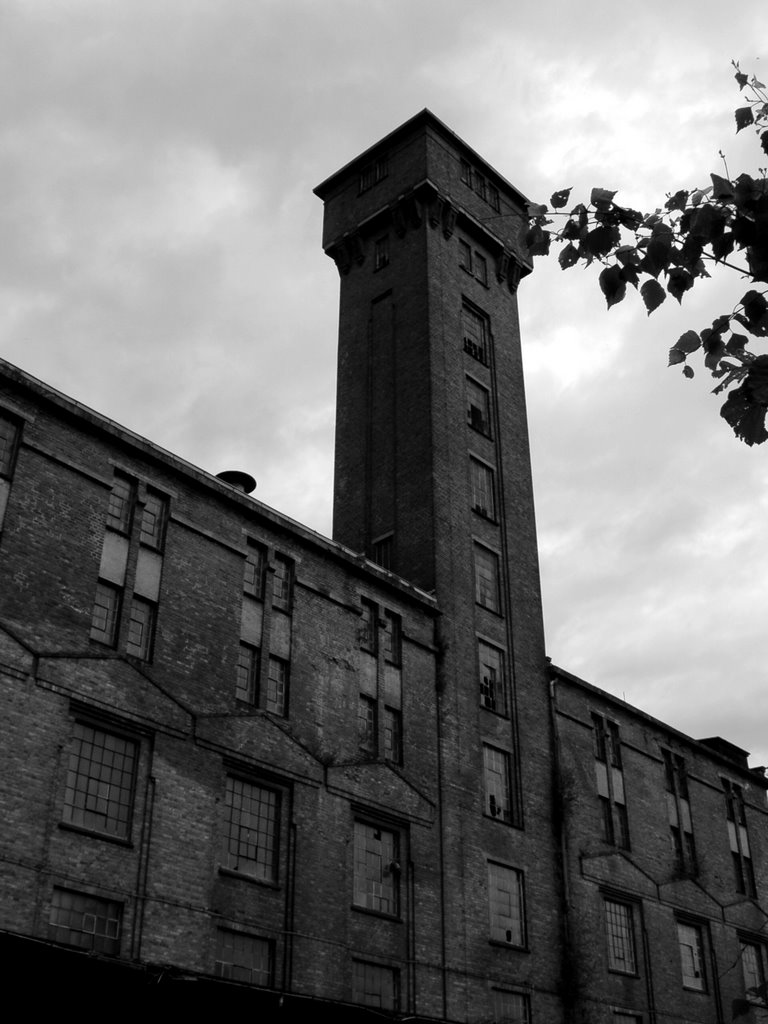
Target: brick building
249, 766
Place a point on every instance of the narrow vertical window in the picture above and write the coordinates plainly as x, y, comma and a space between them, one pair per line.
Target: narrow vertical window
679, 813
153, 520
493, 694
381, 253
493, 197
366, 724
88, 922
609, 779
619, 927
465, 255
369, 626
393, 736
466, 172
753, 971
247, 684
121, 502
483, 492
505, 894
141, 627
382, 551
253, 573
282, 584
277, 686
741, 855
478, 407
691, 956
480, 268
106, 611
250, 840
487, 578
241, 957
392, 638
475, 333
479, 184
377, 871
496, 765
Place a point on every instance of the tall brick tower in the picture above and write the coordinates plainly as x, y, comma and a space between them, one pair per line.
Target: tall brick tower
433, 481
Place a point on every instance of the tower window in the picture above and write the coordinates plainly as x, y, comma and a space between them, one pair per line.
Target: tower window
505, 896
491, 666
382, 551
478, 407
381, 253
475, 333
373, 173
498, 803
483, 498
487, 579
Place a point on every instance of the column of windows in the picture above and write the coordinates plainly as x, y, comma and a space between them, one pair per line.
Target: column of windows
679, 812
379, 708
609, 777
265, 686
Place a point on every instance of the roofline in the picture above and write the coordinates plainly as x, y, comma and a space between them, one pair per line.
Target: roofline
701, 745
103, 424
426, 117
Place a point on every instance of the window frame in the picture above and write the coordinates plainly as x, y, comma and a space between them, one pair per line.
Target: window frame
367, 724
515, 936
482, 478
492, 688
117, 827
277, 689
152, 535
691, 937
493, 807
621, 948
105, 636
475, 332
759, 974
10, 448
372, 969
220, 964
501, 1014
393, 735
376, 888
487, 578
738, 837
283, 583
369, 626
144, 648
248, 672
100, 942
255, 569
381, 253
482, 421
122, 521
265, 870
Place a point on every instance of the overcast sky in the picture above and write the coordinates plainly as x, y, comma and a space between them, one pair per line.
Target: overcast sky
161, 262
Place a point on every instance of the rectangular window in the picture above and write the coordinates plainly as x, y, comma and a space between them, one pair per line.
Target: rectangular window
241, 957
373, 173
282, 584
153, 520
141, 628
478, 407
466, 172
480, 268
106, 613
247, 685
382, 551
483, 492
253, 573
277, 686
511, 1007
487, 578
679, 813
375, 985
496, 764
465, 255
250, 842
101, 775
369, 627
691, 956
381, 253
392, 638
393, 736
9, 434
366, 724
475, 333
479, 184
738, 838
377, 869
493, 197
85, 921
753, 970
493, 694
619, 928
121, 502
505, 897
609, 780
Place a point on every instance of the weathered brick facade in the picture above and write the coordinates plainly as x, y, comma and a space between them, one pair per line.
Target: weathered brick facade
241, 754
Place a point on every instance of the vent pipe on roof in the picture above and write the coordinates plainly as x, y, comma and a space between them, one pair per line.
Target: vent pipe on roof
237, 478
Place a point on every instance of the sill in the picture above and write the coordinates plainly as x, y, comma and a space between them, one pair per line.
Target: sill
623, 974
67, 826
245, 877
484, 515
501, 821
377, 913
493, 711
491, 611
696, 991
508, 945
482, 433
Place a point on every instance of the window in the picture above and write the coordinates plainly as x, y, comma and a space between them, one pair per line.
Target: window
153, 520
374, 985
475, 332
480, 268
691, 956
679, 812
392, 638
277, 686
88, 922
121, 502
753, 969
393, 736
100, 781
478, 407
241, 957
377, 869
496, 764
619, 928
465, 255
493, 197
493, 694
247, 685
366, 724
373, 173
369, 627
282, 586
487, 578
505, 897
382, 551
609, 778
106, 612
511, 1007
479, 183
253, 574
9, 433
483, 491
141, 628
466, 173
250, 842
741, 855
381, 253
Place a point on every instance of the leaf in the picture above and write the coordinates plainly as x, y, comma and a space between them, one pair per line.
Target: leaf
688, 372
741, 78
537, 210
764, 141
678, 201
678, 283
559, 199
736, 343
657, 255
714, 346
744, 118
653, 295
612, 285
746, 419
601, 198
755, 308
676, 356
721, 188
688, 342
600, 241
537, 241
568, 256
